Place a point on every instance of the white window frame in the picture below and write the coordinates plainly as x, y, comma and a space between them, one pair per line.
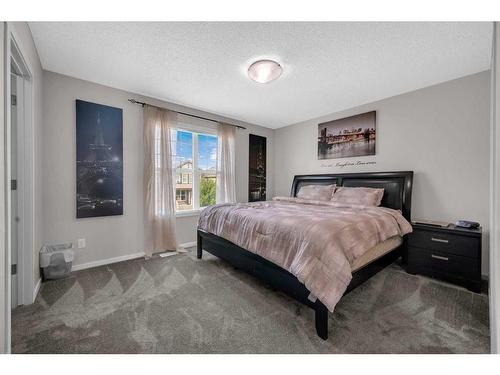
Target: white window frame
195, 130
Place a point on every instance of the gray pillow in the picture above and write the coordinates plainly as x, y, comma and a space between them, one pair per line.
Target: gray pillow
316, 192
358, 195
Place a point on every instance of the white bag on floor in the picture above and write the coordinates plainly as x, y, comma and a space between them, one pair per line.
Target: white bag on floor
56, 260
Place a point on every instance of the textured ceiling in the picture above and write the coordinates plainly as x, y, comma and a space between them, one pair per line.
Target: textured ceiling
327, 66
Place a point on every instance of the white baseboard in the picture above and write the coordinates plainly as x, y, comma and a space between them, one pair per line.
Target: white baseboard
188, 244
97, 263
37, 289
103, 262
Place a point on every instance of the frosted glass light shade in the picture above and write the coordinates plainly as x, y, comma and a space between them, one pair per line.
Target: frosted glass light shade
264, 71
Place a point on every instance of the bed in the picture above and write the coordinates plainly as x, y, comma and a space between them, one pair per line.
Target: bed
291, 280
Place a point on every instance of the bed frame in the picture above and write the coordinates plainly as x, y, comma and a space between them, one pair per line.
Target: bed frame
397, 195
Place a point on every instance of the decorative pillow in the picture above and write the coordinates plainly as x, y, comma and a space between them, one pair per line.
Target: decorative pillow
316, 192
358, 195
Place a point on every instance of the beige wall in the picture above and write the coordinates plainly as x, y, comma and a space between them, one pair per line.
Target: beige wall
110, 237
440, 132
3, 286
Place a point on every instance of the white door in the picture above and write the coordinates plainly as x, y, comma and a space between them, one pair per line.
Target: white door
16, 116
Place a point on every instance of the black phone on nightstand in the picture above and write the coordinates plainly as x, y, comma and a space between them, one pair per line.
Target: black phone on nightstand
467, 224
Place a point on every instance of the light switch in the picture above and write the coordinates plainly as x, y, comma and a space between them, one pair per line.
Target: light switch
81, 243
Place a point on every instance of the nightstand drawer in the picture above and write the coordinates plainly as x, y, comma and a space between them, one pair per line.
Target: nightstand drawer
443, 263
450, 243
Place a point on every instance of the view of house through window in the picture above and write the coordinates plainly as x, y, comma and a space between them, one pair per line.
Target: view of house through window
195, 157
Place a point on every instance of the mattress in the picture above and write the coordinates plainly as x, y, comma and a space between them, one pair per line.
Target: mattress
376, 252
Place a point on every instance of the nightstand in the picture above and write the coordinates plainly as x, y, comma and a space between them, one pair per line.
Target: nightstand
451, 253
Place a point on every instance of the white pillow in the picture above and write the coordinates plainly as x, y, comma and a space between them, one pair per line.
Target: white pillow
316, 192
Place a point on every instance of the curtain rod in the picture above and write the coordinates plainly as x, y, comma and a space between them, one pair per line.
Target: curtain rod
133, 101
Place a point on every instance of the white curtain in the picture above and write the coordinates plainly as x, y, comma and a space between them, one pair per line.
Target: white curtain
159, 196
226, 167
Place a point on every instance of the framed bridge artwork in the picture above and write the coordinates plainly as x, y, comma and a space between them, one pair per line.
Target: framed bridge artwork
99, 160
348, 137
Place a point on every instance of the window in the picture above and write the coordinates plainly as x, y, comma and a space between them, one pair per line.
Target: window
183, 196
195, 159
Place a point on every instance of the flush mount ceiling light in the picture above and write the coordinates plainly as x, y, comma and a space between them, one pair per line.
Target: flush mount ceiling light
264, 71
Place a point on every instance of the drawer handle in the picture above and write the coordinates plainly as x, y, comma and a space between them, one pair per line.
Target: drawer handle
438, 257
438, 240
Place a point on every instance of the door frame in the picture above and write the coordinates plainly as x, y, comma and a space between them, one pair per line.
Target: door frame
25, 172
494, 278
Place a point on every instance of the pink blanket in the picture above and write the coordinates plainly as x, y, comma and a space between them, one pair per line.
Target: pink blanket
314, 240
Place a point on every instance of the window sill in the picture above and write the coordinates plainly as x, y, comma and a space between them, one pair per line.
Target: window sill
187, 213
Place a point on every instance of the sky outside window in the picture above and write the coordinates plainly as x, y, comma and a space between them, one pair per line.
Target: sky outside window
207, 151
184, 147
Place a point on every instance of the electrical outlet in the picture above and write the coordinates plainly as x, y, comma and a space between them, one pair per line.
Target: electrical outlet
81, 243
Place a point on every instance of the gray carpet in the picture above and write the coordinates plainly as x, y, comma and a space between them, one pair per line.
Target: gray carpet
183, 305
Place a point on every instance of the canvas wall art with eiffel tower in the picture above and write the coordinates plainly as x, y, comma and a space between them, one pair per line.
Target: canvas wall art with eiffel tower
99, 160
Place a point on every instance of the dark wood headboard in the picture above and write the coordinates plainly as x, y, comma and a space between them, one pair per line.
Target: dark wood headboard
397, 186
